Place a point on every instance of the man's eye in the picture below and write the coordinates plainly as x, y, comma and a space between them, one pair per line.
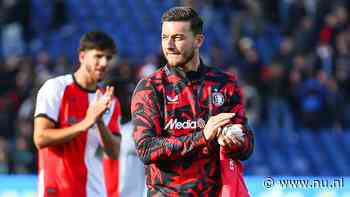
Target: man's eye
179, 38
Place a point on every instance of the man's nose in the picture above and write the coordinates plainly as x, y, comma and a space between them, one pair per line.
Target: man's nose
103, 61
170, 44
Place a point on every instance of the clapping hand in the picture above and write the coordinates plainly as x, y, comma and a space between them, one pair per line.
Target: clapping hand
100, 105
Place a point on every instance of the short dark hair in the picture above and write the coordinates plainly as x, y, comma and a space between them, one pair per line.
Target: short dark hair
97, 40
185, 14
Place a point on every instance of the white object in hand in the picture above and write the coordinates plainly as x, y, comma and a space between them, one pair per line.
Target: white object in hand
233, 130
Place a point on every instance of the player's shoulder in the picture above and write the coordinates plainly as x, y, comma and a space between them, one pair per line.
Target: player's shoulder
154, 79
216, 72
156, 75
58, 82
51, 92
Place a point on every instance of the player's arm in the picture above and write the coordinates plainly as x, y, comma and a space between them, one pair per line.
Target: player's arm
47, 105
45, 131
46, 134
151, 145
235, 148
110, 142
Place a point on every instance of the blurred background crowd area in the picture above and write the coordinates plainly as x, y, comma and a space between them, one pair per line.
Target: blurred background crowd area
291, 56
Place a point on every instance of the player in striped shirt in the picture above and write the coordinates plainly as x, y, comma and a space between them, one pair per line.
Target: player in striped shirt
76, 127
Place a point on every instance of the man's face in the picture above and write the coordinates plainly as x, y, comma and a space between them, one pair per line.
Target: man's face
95, 62
178, 42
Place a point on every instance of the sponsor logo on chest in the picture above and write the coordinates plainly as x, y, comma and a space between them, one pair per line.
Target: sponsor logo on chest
188, 124
72, 120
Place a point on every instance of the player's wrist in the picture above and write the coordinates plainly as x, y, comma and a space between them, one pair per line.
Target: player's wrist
99, 122
208, 135
87, 123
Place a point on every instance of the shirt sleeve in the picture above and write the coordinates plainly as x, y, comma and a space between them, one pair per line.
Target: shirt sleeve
236, 102
48, 100
151, 145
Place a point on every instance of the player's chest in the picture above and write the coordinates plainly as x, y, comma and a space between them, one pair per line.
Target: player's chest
74, 106
188, 106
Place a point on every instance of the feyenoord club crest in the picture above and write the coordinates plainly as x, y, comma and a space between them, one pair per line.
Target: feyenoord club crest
218, 99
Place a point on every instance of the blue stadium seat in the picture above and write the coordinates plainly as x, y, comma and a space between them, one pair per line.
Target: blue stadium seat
335, 152
298, 152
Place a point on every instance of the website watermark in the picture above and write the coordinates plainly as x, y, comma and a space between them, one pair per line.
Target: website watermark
304, 183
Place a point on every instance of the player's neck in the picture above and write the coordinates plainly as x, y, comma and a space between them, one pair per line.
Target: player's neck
83, 78
193, 64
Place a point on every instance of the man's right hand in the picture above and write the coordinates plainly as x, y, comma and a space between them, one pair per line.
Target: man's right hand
216, 122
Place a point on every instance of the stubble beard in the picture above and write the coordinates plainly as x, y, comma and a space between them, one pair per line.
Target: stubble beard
92, 75
187, 58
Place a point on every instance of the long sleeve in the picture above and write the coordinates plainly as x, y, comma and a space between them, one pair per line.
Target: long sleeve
236, 105
151, 144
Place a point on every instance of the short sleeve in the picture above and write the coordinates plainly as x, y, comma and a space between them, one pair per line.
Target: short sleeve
48, 100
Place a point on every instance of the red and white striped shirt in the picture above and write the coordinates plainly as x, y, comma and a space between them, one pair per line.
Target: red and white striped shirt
77, 168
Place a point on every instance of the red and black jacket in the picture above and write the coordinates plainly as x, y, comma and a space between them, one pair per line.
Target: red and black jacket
169, 111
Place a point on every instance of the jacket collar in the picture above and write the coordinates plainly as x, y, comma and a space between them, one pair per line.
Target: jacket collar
177, 73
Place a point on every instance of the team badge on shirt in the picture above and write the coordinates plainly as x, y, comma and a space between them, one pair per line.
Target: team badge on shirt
218, 99
72, 120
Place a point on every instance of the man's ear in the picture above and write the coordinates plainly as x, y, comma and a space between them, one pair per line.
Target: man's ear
81, 56
199, 39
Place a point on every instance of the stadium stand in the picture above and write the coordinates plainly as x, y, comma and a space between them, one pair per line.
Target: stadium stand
249, 48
